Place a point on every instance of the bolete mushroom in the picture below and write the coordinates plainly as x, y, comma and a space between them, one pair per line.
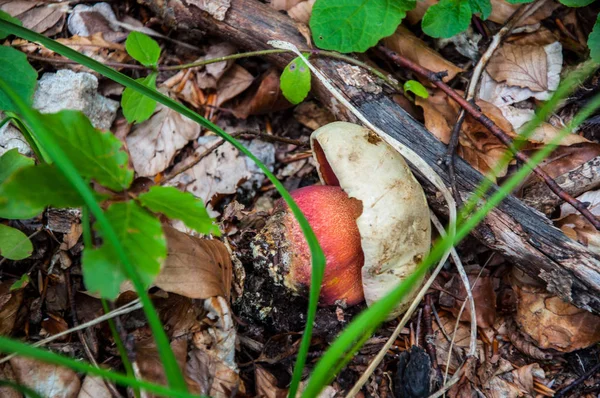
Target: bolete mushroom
370, 217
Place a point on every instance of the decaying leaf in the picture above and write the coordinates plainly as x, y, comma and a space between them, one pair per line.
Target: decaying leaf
233, 82
550, 321
264, 97
153, 143
405, 43
6, 373
10, 301
453, 296
94, 387
298, 10
312, 115
40, 16
196, 268
461, 341
522, 66
576, 227
48, 380
515, 383
266, 384
215, 8
87, 20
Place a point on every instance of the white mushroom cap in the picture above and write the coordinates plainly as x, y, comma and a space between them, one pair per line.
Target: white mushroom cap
394, 225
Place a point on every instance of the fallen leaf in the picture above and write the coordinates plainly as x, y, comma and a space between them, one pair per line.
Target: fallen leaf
577, 227
264, 97
298, 10
6, 373
208, 76
39, 16
566, 158
94, 387
453, 296
211, 376
196, 268
552, 322
55, 324
48, 380
266, 384
514, 384
87, 20
10, 302
405, 43
461, 341
215, 8
312, 115
233, 82
522, 66
154, 143
224, 169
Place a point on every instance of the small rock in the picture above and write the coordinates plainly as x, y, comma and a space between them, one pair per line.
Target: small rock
11, 137
66, 89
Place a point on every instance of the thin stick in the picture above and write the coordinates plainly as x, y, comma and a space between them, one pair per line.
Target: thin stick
126, 309
436, 78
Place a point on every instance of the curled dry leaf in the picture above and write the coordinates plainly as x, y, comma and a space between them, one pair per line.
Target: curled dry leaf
39, 16
576, 227
453, 296
10, 302
522, 66
94, 387
566, 158
154, 143
516, 383
233, 82
298, 10
196, 268
264, 97
405, 43
48, 380
266, 384
551, 322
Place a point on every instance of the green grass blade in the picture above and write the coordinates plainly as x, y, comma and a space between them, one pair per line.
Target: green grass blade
318, 258
62, 162
9, 346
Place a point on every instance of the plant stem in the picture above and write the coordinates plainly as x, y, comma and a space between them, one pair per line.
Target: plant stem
436, 79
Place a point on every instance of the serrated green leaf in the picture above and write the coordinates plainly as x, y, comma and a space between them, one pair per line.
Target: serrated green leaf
18, 74
142, 48
481, 7
21, 283
417, 88
137, 107
7, 17
142, 237
11, 161
594, 41
447, 18
182, 206
295, 81
27, 192
355, 25
97, 155
576, 3
14, 244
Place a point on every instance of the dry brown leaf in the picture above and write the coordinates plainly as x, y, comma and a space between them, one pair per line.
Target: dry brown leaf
50, 381
209, 76
566, 158
94, 387
211, 376
461, 341
39, 16
576, 227
453, 296
215, 8
298, 10
87, 20
551, 322
541, 37
312, 115
154, 143
6, 373
266, 384
264, 97
233, 82
522, 66
10, 302
196, 268
514, 384
405, 43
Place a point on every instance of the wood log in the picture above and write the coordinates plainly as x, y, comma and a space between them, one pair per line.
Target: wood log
520, 233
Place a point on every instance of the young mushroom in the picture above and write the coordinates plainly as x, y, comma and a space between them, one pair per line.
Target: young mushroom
370, 217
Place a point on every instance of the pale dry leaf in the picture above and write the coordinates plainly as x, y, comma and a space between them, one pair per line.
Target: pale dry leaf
405, 43
211, 376
94, 387
196, 268
216, 8
235, 81
266, 384
48, 380
208, 76
87, 20
552, 322
301, 12
284, 4
153, 143
541, 37
522, 66
40, 16
224, 169
515, 383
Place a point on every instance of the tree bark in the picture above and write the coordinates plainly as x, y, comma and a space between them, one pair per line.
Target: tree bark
518, 232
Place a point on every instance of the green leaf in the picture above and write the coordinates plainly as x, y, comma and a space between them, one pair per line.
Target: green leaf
143, 49
14, 244
481, 7
594, 41
140, 235
519, 1
295, 81
182, 206
27, 192
576, 3
21, 283
97, 155
417, 88
355, 25
7, 17
136, 106
447, 18
12, 161
18, 74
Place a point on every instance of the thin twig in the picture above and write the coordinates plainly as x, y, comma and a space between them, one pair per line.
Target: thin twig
476, 113
563, 391
127, 308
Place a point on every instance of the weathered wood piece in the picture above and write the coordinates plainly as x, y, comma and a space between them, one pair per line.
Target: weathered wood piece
518, 232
